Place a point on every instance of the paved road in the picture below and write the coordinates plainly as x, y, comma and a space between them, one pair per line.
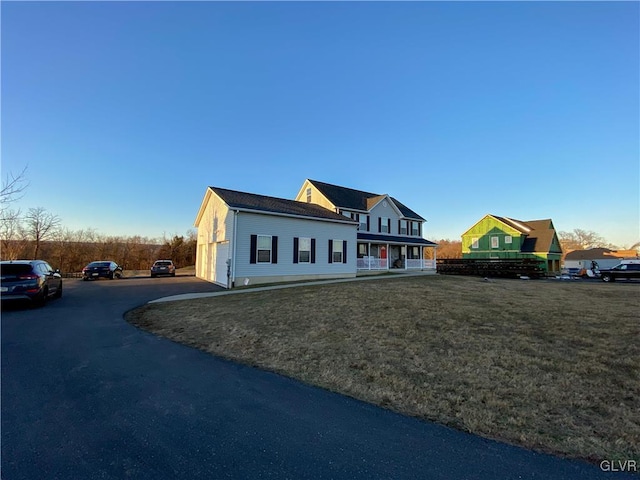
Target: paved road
87, 396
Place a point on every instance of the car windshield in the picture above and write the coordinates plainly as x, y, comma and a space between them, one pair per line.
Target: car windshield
99, 264
15, 268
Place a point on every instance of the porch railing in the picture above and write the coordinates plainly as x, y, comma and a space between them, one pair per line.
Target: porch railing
372, 263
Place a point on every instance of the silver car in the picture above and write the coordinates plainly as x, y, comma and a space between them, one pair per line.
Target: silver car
163, 267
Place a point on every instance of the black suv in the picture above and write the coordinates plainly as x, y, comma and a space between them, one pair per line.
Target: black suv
624, 270
32, 280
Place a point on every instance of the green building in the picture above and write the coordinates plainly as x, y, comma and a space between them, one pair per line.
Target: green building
502, 237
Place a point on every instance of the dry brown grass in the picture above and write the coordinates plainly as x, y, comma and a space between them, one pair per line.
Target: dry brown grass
548, 365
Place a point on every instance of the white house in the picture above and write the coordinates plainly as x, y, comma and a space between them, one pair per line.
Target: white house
603, 257
327, 232
389, 233
247, 238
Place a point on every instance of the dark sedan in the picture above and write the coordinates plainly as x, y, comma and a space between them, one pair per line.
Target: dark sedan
102, 269
32, 280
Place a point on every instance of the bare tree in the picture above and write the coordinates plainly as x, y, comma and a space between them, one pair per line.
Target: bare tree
579, 239
13, 187
40, 225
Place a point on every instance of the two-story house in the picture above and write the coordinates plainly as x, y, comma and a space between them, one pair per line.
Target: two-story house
326, 232
389, 233
495, 237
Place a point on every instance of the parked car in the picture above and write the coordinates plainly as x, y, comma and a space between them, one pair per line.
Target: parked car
626, 269
163, 267
106, 269
32, 280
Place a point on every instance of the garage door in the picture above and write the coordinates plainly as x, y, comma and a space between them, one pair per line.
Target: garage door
220, 261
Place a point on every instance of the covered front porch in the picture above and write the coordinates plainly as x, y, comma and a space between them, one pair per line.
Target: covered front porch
395, 253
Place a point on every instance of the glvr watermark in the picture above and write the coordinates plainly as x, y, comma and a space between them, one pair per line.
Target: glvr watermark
619, 466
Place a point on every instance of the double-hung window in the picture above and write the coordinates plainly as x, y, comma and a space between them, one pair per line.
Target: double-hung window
304, 250
364, 221
384, 224
337, 251
474, 243
415, 229
403, 227
495, 242
264, 249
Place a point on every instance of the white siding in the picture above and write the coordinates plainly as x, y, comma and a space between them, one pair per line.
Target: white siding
214, 229
286, 229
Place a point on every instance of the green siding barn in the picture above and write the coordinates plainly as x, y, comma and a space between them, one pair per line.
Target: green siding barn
497, 237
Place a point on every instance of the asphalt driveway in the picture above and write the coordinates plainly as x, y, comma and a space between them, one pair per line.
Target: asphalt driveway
85, 395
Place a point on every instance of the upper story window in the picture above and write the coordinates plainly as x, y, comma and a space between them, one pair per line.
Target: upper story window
495, 242
309, 195
384, 224
474, 243
364, 222
508, 239
403, 227
415, 228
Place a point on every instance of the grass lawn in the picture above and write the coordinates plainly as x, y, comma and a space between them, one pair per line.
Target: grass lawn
545, 364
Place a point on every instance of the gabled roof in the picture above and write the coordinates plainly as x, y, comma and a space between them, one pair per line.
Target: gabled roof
589, 254
351, 199
539, 233
262, 203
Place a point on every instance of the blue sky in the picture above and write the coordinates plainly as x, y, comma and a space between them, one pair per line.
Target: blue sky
124, 112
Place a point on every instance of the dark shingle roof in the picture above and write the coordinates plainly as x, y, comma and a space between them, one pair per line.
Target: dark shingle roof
263, 203
589, 254
539, 233
395, 239
351, 199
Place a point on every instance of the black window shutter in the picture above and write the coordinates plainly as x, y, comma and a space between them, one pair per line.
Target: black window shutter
254, 249
379, 224
313, 250
368, 223
419, 229
399, 227
295, 249
330, 251
344, 251
274, 249
389, 225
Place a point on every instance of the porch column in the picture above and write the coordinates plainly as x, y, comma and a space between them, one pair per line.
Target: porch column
421, 258
388, 256
406, 256
369, 254
435, 255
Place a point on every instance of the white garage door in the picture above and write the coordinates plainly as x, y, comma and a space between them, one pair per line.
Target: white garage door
220, 261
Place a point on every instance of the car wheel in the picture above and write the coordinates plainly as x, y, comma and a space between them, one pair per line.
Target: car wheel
58, 293
173, 274
42, 299
118, 275
607, 278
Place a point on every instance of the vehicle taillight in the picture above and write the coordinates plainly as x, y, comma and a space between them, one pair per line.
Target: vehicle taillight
30, 276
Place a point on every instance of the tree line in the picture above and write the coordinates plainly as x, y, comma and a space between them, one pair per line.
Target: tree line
39, 234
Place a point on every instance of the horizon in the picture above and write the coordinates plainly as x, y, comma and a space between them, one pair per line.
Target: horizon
124, 113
